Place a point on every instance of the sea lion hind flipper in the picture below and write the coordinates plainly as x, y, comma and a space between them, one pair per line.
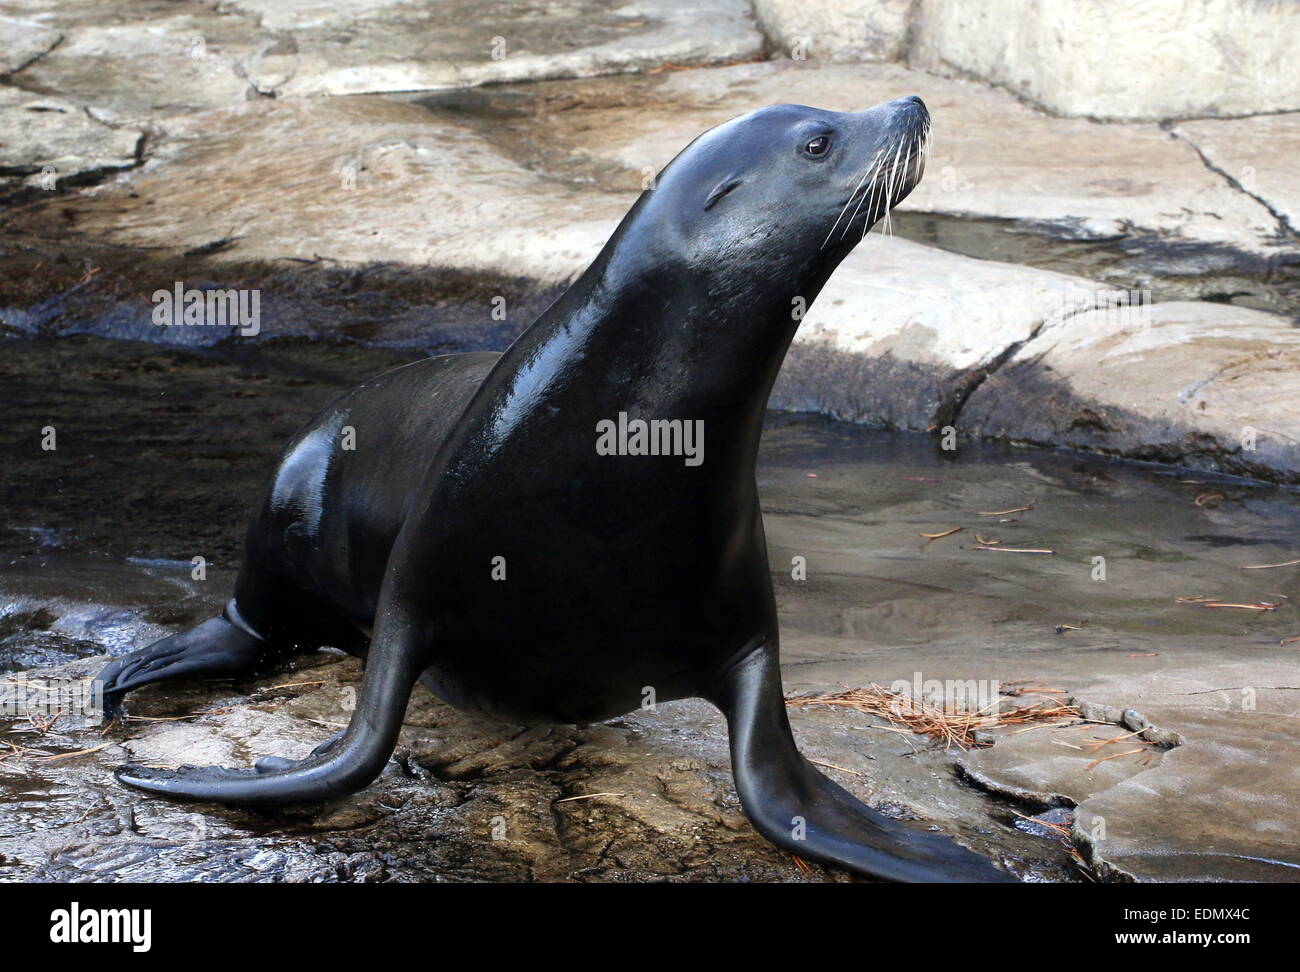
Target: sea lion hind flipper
801, 811
341, 765
220, 647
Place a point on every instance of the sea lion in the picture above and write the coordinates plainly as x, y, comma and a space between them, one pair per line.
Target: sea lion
480, 538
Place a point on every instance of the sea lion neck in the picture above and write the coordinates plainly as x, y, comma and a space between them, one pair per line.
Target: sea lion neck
653, 339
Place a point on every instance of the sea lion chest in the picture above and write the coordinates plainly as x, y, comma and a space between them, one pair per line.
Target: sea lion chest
566, 581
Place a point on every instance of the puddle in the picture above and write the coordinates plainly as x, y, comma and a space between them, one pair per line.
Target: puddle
1169, 270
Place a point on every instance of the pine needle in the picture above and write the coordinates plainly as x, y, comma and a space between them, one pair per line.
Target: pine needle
953, 728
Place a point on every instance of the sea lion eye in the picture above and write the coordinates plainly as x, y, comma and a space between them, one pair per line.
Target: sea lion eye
817, 146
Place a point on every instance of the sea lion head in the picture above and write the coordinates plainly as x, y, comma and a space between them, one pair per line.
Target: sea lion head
779, 196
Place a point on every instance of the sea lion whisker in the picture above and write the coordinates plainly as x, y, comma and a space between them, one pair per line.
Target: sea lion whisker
875, 177
895, 190
886, 229
871, 167
877, 185
866, 172
904, 171
882, 187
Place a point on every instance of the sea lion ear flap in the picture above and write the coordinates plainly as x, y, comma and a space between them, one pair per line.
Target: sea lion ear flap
721, 189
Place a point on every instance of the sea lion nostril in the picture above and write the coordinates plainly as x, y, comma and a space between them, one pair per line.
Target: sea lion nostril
910, 107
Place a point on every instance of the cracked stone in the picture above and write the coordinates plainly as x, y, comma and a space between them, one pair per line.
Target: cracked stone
43, 132
1209, 385
24, 42
1258, 154
148, 65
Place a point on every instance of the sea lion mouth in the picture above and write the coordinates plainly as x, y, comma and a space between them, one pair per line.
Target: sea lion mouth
892, 171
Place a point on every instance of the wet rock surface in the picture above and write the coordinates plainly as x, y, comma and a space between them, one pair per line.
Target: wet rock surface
460, 801
1185, 774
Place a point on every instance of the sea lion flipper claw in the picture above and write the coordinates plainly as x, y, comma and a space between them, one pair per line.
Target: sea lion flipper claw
801, 811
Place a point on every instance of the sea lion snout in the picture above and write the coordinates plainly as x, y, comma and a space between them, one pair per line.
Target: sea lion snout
894, 121
885, 159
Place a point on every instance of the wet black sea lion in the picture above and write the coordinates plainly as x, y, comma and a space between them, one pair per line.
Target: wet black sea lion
478, 539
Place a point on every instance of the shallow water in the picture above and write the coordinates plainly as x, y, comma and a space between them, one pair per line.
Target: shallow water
1169, 271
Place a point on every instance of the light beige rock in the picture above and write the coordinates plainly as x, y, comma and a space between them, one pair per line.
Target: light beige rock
398, 47
835, 30
1259, 154
50, 140
356, 180
290, 15
22, 41
1138, 59
1207, 384
139, 70
901, 329
160, 62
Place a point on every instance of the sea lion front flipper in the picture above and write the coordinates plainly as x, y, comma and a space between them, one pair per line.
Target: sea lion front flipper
398, 653
801, 811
